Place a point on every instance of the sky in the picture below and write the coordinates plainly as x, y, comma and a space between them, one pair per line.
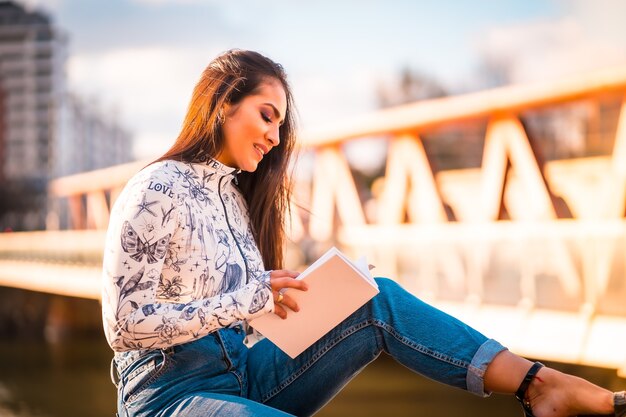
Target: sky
138, 60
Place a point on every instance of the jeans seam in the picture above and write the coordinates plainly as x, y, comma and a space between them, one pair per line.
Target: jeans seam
321, 352
353, 329
240, 381
421, 348
225, 354
228, 350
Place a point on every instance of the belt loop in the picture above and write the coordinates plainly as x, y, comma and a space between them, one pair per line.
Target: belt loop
124, 359
115, 376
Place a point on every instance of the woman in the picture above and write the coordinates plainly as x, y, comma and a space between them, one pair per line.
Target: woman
194, 251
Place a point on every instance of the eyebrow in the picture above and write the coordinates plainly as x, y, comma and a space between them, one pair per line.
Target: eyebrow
276, 112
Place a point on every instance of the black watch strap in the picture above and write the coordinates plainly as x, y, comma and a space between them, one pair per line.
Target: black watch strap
619, 401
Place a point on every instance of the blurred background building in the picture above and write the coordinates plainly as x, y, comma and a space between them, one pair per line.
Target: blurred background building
45, 131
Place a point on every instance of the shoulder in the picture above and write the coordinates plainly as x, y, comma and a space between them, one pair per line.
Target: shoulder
160, 177
158, 180
157, 171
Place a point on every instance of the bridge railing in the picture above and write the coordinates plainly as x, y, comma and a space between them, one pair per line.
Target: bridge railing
530, 251
459, 211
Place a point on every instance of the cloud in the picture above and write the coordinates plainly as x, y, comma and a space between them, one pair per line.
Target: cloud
602, 20
146, 55
162, 2
42, 4
548, 49
322, 99
153, 83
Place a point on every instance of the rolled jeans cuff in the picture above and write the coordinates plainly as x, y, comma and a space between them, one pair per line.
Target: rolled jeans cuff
481, 360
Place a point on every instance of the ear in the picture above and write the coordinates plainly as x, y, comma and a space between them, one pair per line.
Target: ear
223, 112
229, 109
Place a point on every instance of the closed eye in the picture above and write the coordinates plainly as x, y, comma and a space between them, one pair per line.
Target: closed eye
276, 114
266, 118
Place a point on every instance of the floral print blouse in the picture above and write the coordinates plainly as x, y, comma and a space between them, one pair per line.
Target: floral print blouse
180, 258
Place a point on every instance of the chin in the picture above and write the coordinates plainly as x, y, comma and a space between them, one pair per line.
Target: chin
250, 167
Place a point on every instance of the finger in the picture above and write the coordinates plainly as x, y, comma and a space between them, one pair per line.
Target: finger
280, 311
278, 297
281, 273
280, 283
290, 303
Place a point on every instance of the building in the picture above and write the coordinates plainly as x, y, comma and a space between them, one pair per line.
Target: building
45, 131
90, 137
31, 76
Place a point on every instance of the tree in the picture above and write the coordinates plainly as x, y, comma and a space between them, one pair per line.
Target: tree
410, 86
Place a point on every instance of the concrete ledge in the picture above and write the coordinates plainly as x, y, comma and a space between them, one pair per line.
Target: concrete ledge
72, 281
561, 336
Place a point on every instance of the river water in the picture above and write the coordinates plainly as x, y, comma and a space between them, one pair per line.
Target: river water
72, 379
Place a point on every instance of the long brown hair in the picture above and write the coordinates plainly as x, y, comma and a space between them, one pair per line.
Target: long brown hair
228, 79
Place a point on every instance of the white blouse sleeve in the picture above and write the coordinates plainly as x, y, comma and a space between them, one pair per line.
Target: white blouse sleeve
137, 242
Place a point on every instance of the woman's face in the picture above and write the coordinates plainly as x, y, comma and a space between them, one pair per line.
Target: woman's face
251, 126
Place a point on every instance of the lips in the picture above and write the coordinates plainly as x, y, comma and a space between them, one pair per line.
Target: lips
261, 149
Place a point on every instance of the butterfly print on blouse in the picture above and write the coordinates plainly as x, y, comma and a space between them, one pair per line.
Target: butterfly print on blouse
137, 248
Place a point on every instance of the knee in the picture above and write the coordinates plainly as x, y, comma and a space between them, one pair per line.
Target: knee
386, 284
389, 289
390, 299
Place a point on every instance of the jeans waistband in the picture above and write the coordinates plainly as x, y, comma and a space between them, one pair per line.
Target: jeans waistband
122, 360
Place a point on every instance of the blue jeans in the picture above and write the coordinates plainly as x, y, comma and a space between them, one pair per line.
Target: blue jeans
218, 375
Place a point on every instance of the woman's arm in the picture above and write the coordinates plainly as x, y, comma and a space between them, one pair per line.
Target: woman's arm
137, 243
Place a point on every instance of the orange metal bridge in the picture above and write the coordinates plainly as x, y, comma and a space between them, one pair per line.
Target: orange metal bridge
531, 251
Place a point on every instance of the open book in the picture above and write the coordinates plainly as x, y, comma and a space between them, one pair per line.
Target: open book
337, 287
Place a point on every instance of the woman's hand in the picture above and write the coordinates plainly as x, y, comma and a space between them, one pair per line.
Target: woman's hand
280, 280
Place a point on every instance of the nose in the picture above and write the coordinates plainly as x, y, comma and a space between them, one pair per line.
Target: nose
273, 136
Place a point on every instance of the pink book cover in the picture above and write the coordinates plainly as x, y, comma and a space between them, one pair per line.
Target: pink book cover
337, 287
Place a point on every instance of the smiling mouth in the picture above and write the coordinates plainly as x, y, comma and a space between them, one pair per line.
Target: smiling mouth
259, 151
